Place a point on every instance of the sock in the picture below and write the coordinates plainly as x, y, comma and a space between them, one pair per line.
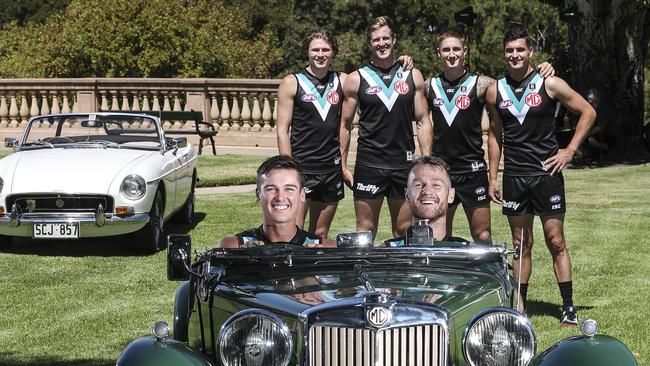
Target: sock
566, 290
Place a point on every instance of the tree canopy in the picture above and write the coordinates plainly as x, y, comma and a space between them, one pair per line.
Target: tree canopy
255, 38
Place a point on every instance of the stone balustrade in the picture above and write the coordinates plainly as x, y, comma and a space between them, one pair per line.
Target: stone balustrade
230, 104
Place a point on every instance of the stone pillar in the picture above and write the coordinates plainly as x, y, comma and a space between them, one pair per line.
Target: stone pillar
214, 110
13, 111
257, 114
45, 105
234, 113
225, 113
24, 110
4, 111
55, 102
266, 114
245, 113
87, 101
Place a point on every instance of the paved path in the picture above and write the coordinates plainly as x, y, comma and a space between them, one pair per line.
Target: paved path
228, 189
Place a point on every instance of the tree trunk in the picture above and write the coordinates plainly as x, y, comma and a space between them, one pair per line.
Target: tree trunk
608, 43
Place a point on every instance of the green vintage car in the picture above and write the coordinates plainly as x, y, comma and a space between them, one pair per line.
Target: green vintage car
421, 305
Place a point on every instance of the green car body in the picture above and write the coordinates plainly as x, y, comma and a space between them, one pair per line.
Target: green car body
356, 306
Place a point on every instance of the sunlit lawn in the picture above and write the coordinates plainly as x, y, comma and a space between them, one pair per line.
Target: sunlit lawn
81, 303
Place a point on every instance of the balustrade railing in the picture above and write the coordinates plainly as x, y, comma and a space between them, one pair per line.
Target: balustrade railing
230, 104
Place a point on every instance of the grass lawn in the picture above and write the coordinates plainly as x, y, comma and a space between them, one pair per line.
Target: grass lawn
81, 303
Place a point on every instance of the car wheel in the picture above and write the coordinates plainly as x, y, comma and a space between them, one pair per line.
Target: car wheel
6, 241
150, 238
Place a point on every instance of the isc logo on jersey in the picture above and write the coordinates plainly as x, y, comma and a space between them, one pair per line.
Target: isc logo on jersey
533, 99
462, 102
438, 102
401, 87
308, 98
373, 90
333, 97
505, 104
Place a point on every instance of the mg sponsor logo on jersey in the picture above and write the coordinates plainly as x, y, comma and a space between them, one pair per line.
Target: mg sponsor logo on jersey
533, 99
555, 198
367, 188
401, 87
511, 205
462, 102
373, 90
505, 104
333, 97
438, 103
308, 98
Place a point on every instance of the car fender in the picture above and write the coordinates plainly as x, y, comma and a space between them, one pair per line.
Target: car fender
182, 312
149, 351
599, 350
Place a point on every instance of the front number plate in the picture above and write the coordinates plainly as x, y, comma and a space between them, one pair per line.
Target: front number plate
59, 230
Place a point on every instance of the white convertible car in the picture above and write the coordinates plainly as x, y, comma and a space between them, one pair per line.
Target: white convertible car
88, 175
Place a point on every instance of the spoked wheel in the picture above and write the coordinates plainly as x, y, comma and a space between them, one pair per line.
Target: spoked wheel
150, 238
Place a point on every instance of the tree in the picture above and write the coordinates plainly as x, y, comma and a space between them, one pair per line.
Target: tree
139, 38
608, 48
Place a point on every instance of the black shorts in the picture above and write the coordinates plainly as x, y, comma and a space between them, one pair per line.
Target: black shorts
471, 189
542, 195
378, 183
324, 187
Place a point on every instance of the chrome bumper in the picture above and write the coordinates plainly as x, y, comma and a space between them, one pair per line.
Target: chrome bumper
90, 224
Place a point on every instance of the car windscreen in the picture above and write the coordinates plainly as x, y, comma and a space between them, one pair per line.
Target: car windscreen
92, 131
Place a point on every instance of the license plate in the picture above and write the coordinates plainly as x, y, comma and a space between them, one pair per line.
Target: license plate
59, 230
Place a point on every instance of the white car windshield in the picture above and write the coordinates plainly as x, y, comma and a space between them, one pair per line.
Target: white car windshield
92, 131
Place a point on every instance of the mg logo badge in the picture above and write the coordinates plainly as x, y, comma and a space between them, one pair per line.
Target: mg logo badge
533, 99
378, 316
462, 102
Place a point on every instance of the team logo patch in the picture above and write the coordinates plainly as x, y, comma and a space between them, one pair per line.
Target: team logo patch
533, 99
531, 86
373, 90
438, 102
333, 97
463, 88
462, 102
308, 98
401, 87
555, 199
480, 190
505, 104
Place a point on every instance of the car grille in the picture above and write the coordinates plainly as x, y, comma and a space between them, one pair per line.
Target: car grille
58, 203
421, 345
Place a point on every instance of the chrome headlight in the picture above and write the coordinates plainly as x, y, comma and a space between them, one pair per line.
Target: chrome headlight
255, 337
133, 187
499, 336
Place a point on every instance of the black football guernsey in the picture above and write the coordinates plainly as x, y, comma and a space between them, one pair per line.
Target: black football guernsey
386, 123
527, 115
457, 113
314, 125
257, 237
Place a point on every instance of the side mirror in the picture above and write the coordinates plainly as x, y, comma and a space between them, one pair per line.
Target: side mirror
360, 239
179, 257
11, 142
181, 142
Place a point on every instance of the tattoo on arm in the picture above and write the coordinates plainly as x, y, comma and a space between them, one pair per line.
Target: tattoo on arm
482, 86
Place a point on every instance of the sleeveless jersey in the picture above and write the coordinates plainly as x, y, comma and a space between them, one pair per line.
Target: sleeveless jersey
457, 113
256, 237
314, 125
527, 115
386, 123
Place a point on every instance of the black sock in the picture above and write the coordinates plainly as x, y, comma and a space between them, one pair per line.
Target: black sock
523, 290
566, 290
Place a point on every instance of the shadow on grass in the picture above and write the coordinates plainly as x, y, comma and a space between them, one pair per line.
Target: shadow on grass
543, 308
115, 246
11, 359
